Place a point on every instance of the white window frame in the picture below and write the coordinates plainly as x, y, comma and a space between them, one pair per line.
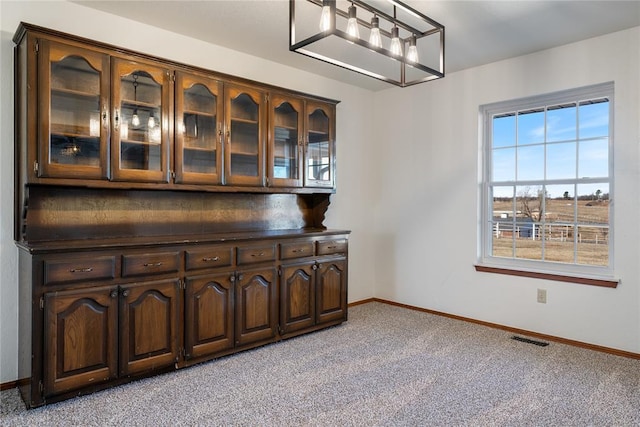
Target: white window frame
520, 266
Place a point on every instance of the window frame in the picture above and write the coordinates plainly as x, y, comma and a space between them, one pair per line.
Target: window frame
553, 270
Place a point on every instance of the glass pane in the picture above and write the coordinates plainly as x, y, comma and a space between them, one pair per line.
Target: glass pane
593, 204
529, 203
199, 127
528, 241
504, 164
244, 136
593, 245
530, 163
561, 161
594, 120
318, 160
504, 131
559, 246
531, 127
561, 123
593, 158
141, 119
75, 113
560, 203
502, 244
285, 156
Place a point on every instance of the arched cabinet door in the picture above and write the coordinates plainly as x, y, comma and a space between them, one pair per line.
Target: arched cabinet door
319, 153
198, 129
331, 290
73, 112
208, 314
245, 112
297, 296
149, 334
286, 141
142, 121
81, 338
256, 305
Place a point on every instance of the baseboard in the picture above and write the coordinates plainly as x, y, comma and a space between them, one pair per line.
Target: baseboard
574, 343
14, 384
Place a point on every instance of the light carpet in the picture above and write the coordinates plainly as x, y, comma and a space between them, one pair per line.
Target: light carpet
386, 366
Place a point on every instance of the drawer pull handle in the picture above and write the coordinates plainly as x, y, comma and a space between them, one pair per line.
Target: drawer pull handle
211, 259
297, 250
153, 264
258, 255
81, 270
331, 247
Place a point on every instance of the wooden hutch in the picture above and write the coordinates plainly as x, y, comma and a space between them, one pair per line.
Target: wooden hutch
166, 215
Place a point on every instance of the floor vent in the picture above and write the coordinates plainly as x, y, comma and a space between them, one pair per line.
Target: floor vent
530, 341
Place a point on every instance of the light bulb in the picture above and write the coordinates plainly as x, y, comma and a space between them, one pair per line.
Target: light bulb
375, 38
412, 52
152, 122
135, 120
325, 17
352, 23
396, 47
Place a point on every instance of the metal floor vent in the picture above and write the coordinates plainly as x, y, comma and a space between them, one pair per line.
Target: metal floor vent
530, 341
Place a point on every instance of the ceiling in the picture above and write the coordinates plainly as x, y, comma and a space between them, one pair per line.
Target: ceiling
477, 32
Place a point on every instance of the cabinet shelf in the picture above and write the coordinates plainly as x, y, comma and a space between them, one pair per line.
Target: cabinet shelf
133, 142
200, 113
129, 103
244, 121
204, 149
73, 93
71, 131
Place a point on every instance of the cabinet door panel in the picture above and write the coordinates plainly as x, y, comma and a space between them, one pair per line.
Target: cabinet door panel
319, 148
80, 338
141, 100
297, 297
73, 110
208, 314
245, 125
199, 122
148, 326
256, 305
285, 141
331, 296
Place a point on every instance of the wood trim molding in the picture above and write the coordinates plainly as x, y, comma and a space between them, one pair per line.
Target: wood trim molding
549, 276
602, 349
13, 384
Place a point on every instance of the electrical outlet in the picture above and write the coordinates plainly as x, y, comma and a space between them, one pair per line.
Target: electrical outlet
542, 296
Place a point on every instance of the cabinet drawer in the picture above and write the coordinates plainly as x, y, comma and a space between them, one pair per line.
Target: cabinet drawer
154, 263
252, 254
337, 246
209, 258
296, 250
64, 271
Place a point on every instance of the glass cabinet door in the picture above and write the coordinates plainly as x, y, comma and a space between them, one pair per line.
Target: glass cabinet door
141, 100
244, 158
73, 111
319, 150
198, 116
286, 138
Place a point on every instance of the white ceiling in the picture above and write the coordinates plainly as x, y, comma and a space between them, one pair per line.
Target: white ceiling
476, 32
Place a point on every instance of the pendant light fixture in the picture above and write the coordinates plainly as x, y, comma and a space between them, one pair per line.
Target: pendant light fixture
396, 31
375, 39
352, 23
135, 119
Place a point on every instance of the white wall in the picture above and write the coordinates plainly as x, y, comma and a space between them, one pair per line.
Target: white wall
349, 208
426, 209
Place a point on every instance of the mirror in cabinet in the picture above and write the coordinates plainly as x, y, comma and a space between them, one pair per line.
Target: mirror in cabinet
73, 109
285, 160
198, 112
244, 109
141, 99
319, 155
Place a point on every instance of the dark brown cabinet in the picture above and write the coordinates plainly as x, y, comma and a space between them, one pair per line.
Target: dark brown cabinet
165, 215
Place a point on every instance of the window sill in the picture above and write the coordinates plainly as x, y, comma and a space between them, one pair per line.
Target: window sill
549, 276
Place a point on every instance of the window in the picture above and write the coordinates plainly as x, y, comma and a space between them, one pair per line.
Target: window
548, 183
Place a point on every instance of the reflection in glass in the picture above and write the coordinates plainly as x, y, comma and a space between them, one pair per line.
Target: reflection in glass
286, 154
318, 165
199, 130
74, 113
244, 136
140, 101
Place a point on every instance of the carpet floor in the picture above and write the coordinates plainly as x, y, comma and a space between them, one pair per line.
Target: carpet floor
386, 366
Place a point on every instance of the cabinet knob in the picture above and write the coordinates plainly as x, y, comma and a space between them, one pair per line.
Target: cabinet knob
232, 278
116, 119
125, 293
314, 267
240, 277
113, 293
